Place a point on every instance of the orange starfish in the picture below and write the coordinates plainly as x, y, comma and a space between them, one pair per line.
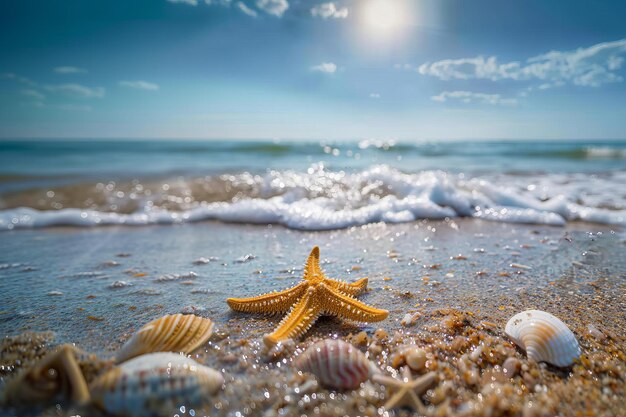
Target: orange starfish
314, 296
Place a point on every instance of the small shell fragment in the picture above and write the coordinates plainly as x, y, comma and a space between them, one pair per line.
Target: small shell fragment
156, 384
335, 364
544, 337
173, 333
410, 319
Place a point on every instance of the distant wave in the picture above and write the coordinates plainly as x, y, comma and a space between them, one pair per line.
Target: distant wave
605, 152
318, 199
583, 152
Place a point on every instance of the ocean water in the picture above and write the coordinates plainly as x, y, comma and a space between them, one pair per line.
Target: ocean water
309, 185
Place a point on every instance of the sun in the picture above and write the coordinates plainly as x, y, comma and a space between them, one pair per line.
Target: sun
384, 17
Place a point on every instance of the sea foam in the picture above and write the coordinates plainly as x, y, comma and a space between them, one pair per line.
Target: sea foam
321, 200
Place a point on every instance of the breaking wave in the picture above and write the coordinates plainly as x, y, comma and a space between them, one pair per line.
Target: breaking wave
318, 199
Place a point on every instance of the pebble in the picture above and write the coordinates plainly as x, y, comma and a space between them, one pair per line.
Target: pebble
246, 258
192, 309
174, 277
416, 359
120, 284
381, 334
594, 332
409, 319
204, 261
361, 339
475, 355
511, 367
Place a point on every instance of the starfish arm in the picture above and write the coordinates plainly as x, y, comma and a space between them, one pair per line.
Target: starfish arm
353, 288
298, 321
274, 302
312, 266
79, 393
347, 307
425, 381
416, 403
387, 381
397, 400
36, 386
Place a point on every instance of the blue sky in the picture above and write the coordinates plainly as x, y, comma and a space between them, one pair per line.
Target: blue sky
295, 69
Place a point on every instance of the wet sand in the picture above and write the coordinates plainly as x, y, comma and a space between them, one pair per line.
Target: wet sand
460, 281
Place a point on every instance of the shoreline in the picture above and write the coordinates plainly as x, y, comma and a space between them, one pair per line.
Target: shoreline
457, 277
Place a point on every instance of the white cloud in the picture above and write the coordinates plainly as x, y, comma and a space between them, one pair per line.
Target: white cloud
374, 95
69, 70
33, 94
77, 90
189, 2
273, 7
325, 67
326, 10
245, 9
470, 97
588, 67
139, 85
18, 78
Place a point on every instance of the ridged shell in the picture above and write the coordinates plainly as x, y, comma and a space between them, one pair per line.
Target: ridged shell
544, 337
156, 384
336, 364
174, 333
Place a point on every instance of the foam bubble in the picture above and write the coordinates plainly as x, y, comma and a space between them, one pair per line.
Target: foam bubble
322, 200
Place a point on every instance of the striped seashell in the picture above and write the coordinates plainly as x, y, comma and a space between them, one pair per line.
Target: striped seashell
544, 337
156, 384
336, 364
173, 333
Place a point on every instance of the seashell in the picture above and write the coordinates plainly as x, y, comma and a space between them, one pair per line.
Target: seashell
336, 364
544, 337
156, 384
173, 333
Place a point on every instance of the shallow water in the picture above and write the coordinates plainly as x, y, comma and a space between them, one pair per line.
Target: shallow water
82, 265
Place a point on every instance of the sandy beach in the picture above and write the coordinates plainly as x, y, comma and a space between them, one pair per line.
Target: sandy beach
450, 287
329, 208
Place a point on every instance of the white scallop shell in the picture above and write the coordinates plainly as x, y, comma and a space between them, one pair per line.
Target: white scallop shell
156, 384
173, 333
336, 364
544, 337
